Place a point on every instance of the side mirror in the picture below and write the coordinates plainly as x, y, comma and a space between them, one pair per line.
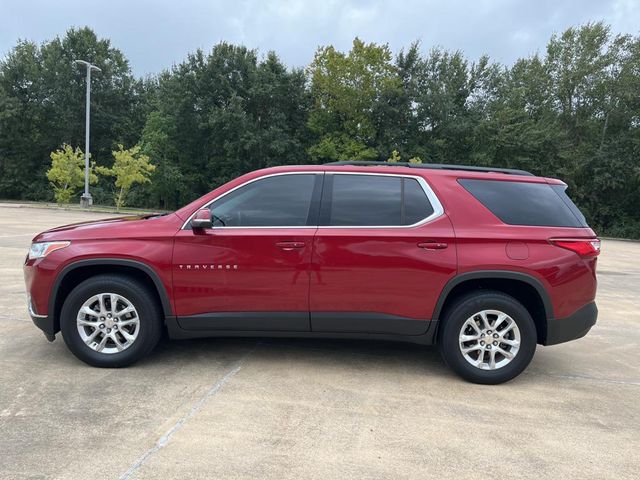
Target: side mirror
201, 219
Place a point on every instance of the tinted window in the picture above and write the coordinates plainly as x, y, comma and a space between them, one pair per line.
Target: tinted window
520, 203
278, 201
416, 203
361, 200
370, 200
560, 190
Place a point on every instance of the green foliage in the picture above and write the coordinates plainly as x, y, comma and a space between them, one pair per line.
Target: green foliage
571, 112
42, 102
344, 89
129, 167
67, 173
394, 158
218, 115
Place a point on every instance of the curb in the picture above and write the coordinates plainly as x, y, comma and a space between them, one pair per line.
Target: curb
69, 208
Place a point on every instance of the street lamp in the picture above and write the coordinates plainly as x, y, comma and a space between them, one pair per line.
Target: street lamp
85, 199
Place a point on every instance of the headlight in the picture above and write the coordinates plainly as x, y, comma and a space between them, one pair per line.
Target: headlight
42, 249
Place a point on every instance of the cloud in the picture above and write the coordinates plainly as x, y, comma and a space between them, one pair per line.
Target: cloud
156, 34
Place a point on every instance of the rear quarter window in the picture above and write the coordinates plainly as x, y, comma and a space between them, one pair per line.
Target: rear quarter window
523, 203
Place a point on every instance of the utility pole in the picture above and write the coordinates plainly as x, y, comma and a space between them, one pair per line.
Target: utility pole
85, 199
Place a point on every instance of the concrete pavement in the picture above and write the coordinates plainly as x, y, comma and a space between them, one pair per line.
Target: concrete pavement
289, 409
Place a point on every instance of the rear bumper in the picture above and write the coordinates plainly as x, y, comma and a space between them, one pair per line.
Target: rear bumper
575, 326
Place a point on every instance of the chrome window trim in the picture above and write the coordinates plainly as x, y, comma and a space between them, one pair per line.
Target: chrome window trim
438, 209
248, 182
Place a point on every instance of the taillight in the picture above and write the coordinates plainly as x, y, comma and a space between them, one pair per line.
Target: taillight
583, 247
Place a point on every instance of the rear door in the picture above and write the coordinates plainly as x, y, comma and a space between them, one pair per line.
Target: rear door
382, 254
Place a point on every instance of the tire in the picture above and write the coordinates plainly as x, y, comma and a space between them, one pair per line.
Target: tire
142, 325
483, 309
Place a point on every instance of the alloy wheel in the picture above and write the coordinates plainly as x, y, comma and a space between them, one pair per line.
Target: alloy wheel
489, 339
108, 323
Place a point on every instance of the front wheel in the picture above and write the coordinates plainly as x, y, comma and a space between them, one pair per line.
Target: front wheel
111, 321
488, 337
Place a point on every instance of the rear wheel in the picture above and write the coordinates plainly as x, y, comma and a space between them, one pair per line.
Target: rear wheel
111, 321
488, 337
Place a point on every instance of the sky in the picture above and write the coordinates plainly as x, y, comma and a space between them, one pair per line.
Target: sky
155, 34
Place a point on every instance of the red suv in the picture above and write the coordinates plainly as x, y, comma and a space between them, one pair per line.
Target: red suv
484, 262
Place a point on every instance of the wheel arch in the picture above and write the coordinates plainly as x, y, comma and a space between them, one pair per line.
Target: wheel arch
73, 274
525, 288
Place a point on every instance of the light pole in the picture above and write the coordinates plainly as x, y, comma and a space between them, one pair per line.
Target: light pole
85, 199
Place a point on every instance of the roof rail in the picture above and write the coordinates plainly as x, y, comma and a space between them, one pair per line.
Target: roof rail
433, 166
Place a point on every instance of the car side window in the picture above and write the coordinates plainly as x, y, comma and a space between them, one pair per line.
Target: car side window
278, 201
416, 204
375, 200
365, 200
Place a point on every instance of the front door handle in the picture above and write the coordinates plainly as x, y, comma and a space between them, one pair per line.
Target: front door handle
289, 245
433, 245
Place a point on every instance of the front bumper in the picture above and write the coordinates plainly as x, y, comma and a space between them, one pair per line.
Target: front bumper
38, 277
43, 322
575, 326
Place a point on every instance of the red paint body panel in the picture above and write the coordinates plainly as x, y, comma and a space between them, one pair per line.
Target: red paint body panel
251, 272
482, 239
382, 270
149, 241
379, 270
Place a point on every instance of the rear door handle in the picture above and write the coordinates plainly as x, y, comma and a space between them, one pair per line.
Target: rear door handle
433, 245
289, 245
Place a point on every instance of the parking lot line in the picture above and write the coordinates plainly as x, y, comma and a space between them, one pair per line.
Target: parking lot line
195, 408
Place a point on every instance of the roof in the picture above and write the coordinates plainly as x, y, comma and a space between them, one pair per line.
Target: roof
403, 168
435, 166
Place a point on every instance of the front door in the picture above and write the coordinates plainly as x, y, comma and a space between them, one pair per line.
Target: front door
382, 254
250, 271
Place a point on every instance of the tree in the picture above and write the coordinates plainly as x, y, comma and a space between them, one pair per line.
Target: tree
67, 173
129, 167
45, 95
345, 88
219, 115
395, 157
571, 112
158, 142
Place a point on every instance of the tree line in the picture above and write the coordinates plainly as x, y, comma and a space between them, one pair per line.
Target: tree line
571, 111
